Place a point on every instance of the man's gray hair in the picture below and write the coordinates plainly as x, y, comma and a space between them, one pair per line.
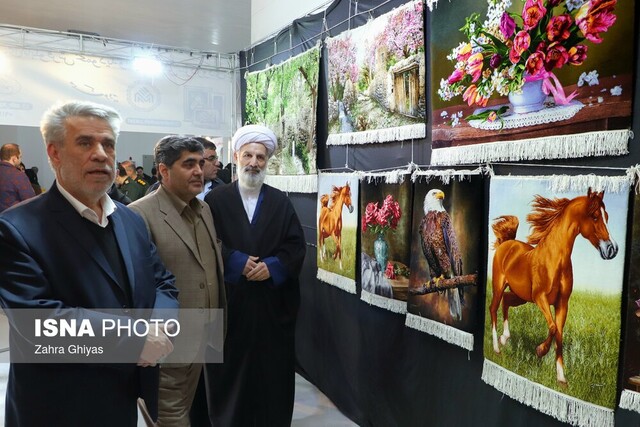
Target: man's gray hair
52, 125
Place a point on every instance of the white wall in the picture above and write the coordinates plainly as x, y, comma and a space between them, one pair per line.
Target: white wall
269, 16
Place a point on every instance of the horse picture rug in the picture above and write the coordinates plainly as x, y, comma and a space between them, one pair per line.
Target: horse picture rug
446, 255
284, 98
554, 285
376, 79
523, 80
385, 235
337, 214
630, 398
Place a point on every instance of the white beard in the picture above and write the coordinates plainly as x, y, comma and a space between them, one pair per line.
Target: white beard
251, 181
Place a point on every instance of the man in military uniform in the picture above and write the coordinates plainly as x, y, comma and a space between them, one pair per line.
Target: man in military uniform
132, 186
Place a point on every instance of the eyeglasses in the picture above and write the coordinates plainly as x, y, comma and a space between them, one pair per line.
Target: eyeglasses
211, 158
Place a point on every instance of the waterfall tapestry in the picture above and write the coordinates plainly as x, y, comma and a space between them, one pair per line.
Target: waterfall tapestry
284, 98
446, 253
376, 79
516, 80
385, 236
337, 214
630, 398
567, 253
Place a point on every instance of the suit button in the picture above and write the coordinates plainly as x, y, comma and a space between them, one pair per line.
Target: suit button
201, 285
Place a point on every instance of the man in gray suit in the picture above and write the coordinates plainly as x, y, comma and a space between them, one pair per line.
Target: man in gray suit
181, 226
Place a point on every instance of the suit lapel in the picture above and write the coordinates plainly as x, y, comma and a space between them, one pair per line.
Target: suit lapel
125, 249
175, 221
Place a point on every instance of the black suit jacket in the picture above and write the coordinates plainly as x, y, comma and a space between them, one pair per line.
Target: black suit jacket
49, 259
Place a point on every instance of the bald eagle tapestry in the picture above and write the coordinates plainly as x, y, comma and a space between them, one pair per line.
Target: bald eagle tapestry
534, 79
446, 253
337, 216
284, 98
554, 285
376, 78
630, 398
385, 235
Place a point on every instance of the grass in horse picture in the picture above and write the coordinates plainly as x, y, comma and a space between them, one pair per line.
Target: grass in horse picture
330, 219
540, 270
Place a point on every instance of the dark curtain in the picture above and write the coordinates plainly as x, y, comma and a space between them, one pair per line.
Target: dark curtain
377, 371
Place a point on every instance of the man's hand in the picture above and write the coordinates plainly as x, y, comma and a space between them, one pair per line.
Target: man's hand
260, 272
155, 347
252, 262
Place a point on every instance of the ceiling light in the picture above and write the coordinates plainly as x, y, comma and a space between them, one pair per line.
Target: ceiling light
147, 66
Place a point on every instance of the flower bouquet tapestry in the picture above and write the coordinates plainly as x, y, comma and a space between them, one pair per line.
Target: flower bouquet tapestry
385, 242
554, 284
531, 79
337, 213
446, 251
376, 79
284, 98
630, 398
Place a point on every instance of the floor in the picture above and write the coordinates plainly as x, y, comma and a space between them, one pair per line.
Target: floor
311, 409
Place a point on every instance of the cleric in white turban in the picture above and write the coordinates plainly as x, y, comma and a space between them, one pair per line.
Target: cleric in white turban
255, 133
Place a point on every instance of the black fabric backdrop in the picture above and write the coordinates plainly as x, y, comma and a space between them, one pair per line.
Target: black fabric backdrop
377, 371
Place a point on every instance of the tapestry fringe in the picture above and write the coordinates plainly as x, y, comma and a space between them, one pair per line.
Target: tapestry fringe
445, 176
579, 183
630, 400
396, 176
445, 332
602, 143
399, 133
294, 183
390, 304
562, 407
344, 283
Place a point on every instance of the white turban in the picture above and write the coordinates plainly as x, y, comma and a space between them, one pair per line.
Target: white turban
255, 133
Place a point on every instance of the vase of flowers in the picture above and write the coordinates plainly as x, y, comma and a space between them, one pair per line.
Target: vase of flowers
379, 220
529, 99
507, 50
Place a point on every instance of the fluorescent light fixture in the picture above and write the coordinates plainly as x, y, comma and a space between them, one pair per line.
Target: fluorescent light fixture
147, 66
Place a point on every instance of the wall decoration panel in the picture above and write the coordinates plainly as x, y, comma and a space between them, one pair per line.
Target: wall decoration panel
385, 235
337, 220
376, 79
530, 80
556, 241
284, 97
446, 252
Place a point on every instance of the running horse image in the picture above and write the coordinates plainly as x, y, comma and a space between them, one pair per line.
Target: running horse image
330, 221
540, 270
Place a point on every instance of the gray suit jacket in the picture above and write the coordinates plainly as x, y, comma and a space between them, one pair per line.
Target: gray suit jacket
179, 252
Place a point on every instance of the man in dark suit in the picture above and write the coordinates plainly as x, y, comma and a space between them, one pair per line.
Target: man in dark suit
74, 248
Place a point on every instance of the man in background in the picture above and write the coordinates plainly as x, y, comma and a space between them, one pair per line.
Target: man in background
182, 228
210, 168
14, 184
264, 249
143, 176
132, 186
74, 250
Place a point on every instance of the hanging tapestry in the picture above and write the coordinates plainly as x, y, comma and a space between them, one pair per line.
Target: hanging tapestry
284, 98
376, 79
337, 213
534, 79
446, 251
385, 235
556, 241
630, 398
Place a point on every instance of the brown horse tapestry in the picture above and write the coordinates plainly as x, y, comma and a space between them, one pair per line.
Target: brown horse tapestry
337, 213
534, 79
385, 235
446, 251
554, 284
